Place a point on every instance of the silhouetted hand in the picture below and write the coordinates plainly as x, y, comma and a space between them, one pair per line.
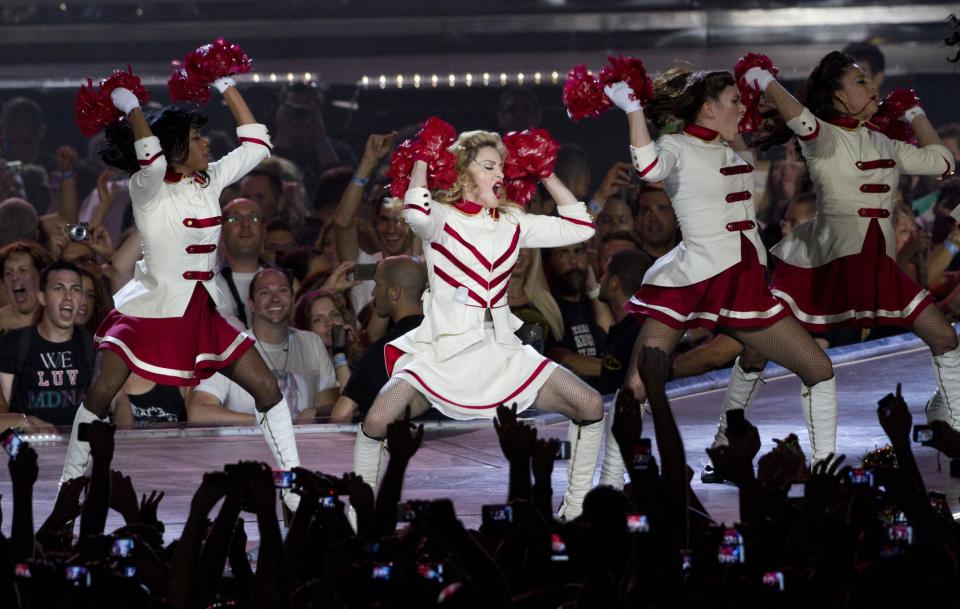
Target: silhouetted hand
894, 417
543, 456
782, 466
101, 441
68, 506
23, 468
123, 498
627, 419
945, 439
734, 465
148, 507
516, 439
824, 481
747, 443
360, 493
401, 443
212, 489
654, 368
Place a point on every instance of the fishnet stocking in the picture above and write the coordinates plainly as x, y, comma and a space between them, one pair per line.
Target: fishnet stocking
389, 406
567, 394
934, 329
252, 374
788, 344
652, 334
110, 372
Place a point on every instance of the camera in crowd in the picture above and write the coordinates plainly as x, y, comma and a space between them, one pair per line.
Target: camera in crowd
79, 232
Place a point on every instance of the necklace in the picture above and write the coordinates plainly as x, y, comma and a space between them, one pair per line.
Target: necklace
281, 375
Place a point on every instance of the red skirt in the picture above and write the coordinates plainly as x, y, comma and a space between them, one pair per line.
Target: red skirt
174, 350
861, 290
736, 298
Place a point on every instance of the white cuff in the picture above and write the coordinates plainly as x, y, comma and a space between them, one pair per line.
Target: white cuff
761, 77
221, 84
912, 113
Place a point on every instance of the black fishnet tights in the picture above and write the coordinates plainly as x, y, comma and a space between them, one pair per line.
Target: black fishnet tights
567, 394
934, 329
389, 406
110, 372
786, 343
249, 371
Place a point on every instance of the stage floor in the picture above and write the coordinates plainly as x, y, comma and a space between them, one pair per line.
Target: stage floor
463, 461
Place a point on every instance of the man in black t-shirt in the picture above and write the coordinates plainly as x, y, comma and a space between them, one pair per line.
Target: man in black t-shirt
579, 347
621, 279
45, 370
398, 285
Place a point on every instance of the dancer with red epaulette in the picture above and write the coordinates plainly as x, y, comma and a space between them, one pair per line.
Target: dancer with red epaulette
165, 326
839, 268
465, 358
715, 278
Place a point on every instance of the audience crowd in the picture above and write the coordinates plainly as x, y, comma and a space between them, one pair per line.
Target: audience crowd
318, 265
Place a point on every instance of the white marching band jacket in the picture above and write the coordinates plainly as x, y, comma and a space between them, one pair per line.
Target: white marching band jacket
470, 252
711, 188
855, 171
179, 220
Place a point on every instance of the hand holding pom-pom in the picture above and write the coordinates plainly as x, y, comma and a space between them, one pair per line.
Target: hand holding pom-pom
213, 65
431, 146
898, 102
531, 156
631, 71
583, 95
896, 112
623, 97
753, 74
115, 98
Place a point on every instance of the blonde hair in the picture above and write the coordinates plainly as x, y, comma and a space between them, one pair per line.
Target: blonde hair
537, 291
466, 148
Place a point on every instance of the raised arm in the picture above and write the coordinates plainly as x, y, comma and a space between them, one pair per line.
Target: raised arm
345, 224
574, 224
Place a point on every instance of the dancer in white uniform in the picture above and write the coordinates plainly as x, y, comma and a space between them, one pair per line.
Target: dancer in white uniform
839, 268
165, 326
715, 278
464, 358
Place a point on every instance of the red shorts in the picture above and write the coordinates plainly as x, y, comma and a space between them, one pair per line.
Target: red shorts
736, 298
175, 350
861, 290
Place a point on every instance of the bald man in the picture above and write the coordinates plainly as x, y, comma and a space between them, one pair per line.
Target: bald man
242, 242
398, 285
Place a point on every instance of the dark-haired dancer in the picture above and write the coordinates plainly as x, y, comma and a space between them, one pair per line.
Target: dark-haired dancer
715, 276
839, 268
165, 326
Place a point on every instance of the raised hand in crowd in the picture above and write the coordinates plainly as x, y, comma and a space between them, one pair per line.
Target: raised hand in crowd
97, 504
403, 441
618, 177
23, 474
517, 441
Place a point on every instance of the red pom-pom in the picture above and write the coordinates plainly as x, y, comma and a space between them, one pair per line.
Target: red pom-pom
888, 121
95, 109
631, 71
897, 102
186, 87
201, 67
749, 96
520, 190
401, 164
431, 145
215, 60
583, 95
531, 156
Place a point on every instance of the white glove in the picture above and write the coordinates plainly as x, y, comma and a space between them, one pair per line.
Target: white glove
221, 84
622, 97
911, 114
758, 78
124, 100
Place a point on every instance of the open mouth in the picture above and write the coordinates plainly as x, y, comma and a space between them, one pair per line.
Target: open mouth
497, 189
19, 294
